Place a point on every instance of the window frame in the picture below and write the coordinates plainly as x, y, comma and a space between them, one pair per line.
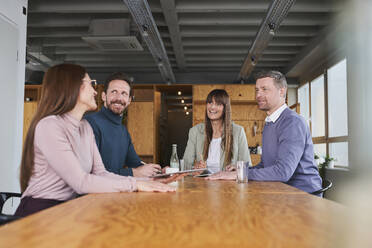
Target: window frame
325, 139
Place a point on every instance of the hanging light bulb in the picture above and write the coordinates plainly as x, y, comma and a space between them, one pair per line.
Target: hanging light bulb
187, 113
179, 93
185, 108
272, 28
182, 101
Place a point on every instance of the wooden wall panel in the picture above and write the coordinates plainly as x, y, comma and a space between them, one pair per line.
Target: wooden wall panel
255, 159
28, 113
157, 109
246, 112
241, 92
143, 95
198, 112
200, 92
252, 139
141, 127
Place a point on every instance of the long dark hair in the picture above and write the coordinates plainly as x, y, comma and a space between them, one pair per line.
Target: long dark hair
220, 97
60, 91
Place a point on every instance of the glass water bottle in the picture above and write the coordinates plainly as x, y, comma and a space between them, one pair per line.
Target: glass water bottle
174, 161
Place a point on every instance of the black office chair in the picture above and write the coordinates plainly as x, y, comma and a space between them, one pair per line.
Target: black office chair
327, 184
6, 218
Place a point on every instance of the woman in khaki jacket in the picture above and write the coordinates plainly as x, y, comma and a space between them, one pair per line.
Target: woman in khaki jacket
218, 142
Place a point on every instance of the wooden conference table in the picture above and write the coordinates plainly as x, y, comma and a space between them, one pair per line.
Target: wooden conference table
200, 214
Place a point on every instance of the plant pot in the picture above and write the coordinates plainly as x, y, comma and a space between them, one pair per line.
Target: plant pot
331, 164
317, 162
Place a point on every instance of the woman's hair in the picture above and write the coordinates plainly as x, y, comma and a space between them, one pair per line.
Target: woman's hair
59, 95
220, 97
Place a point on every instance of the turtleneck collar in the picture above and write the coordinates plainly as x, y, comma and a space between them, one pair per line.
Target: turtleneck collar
114, 118
71, 119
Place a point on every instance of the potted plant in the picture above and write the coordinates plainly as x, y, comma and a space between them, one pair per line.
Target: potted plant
316, 159
329, 161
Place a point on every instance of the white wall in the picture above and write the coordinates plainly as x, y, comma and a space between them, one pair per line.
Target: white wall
12, 70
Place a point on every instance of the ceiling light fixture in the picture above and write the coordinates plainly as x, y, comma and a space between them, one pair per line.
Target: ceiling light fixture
142, 16
275, 14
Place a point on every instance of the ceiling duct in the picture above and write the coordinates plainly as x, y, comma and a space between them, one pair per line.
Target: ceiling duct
142, 16
112, 35
276, 13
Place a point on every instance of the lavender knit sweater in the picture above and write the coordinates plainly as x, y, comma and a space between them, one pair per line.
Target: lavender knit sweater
287, 154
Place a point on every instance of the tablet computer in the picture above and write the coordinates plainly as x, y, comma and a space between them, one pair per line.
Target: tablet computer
205, 173
178, 172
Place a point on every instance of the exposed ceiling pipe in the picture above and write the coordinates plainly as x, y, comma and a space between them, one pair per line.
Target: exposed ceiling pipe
36, 62
276, 13
142, 16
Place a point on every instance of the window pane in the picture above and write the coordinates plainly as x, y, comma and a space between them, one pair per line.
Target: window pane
303, 99
291, 96
317, 107
337, 100
339, 151
320, 150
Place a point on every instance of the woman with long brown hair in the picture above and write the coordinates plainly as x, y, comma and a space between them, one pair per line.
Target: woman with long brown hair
60, 157
218, 142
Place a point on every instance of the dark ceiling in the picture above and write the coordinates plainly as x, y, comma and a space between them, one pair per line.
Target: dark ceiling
205, 41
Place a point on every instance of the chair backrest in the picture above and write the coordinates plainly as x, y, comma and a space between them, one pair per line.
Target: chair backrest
4, 196
327, 184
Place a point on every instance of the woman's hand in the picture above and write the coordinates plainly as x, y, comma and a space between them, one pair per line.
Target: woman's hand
153, 186
199, 165
230, 167
223, 175
171, 178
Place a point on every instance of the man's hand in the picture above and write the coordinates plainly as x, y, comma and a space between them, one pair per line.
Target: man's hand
223, 175
146, 170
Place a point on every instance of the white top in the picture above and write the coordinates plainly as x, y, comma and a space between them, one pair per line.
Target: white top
274, 116
214, 153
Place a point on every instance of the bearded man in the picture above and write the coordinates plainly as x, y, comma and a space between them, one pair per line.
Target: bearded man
112, 137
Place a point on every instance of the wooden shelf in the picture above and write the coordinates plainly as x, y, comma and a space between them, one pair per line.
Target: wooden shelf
32, 93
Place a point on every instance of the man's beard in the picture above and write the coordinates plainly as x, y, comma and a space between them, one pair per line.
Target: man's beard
115, 110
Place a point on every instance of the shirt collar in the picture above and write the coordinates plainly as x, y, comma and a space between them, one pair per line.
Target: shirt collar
116, 119
274, 116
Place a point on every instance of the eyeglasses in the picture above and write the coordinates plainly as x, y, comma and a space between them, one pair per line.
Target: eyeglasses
93, 82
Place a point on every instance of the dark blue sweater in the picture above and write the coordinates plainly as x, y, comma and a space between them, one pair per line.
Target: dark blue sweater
114, 142
287, 154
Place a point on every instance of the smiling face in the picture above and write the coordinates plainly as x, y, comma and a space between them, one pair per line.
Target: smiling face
269, 97
117, 97
215, 110
87, 94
